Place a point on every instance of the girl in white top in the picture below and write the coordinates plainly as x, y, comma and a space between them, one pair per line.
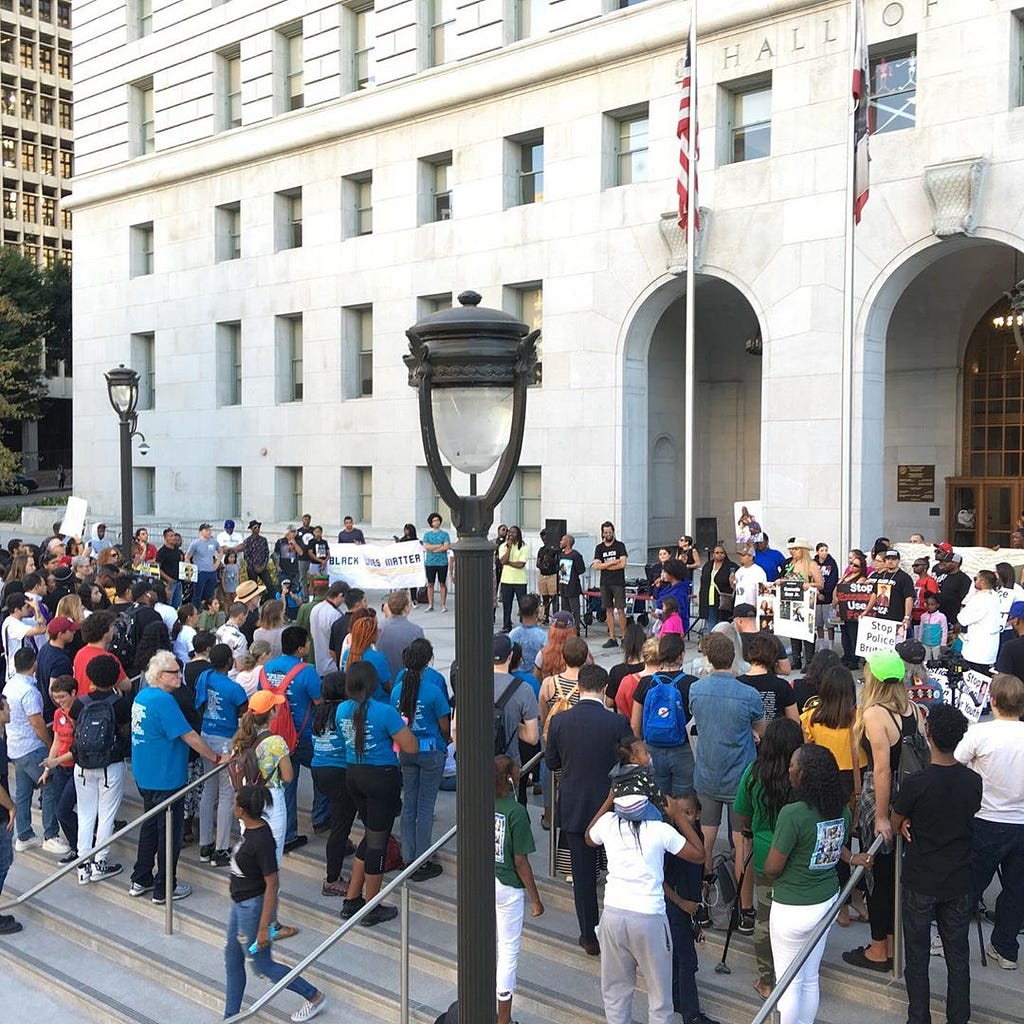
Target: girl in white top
981, 615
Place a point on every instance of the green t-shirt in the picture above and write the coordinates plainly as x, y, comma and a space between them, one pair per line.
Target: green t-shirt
749, 802
512, 835
813, 847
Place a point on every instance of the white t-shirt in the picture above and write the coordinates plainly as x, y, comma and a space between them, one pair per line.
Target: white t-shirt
24, 699
182, 645
229, 540
636, 865
980, 614
1007, 596
747, 579
995, 750
14, 633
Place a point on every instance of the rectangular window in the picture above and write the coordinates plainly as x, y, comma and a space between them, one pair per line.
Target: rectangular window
66, 120
288, 219
529, 479
288, 492
28, 156
67, 163
228, 231
64, 13
436, 188
893, 85
64, 63
144, 490
229, 364
229, 90
142, 113
357, 200
526, 153
65, 219
365, 351
427, 304
750, 123
357, 492
290, 55
140, 249
29, 207
49, 212
28, 107
631, 133
365, 70
289, 358
142, 349
229, 489
46, 59
7, 47
531, 18
140, 13
442, 32
26, 53
526, 301
9, 148
47, 159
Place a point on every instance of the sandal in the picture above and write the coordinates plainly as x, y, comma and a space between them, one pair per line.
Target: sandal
858, 916
858, 958
764, 991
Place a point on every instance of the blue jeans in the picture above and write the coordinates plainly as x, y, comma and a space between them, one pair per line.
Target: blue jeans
673, 769
712, 617
243, 924
26, 774
175, 598
685, 1000
953, 917
421, 779
205, 588
321, 814
1001, 846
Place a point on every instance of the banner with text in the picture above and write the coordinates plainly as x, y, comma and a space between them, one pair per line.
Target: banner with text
877, 635
852, 599
378, 566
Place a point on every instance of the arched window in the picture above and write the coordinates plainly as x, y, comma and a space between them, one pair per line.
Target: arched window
663, 478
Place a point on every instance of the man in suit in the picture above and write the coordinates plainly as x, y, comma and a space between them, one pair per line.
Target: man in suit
583, 743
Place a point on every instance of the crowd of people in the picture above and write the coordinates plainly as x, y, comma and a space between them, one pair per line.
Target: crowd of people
666, 768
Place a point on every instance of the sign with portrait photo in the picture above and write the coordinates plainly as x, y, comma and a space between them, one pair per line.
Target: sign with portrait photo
794, 609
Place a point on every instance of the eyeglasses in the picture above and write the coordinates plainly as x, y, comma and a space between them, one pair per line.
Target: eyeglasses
170, 672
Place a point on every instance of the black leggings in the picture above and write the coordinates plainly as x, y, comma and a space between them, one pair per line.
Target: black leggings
376, 791
332, 783
882, 897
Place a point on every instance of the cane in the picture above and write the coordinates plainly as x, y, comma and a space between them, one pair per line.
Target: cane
722, 967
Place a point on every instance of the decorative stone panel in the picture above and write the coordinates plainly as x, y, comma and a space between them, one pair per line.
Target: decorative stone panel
954, 190
675, 240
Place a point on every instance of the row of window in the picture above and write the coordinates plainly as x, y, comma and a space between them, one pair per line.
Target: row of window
44, 10
32, 101
522, 506
31, 207
35, 54
40, 250
26, 154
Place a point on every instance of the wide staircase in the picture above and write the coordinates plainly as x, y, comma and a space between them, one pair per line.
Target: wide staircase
92, 953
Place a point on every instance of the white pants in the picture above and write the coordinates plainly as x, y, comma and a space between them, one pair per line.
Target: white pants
276, 816
99, 792
790, 926
509, 905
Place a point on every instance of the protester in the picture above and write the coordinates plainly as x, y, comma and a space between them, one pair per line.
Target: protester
717, 596
528, 634
855, 572
776, 693
610, 560
807, 687
570, 573
59, 764
547, 575
982, 618
270, 625
363, 639
437, 543
801, 566
770, 560
8, 925
747, 579
397, 631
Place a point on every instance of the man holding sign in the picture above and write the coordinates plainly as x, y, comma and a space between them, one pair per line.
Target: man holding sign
893, 598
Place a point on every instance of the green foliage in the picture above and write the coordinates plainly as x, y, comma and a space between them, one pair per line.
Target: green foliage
12, 513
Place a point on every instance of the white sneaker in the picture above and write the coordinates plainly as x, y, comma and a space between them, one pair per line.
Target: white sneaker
56, 845
84, 874
936, 949
20, 845
308, 1010
998, 958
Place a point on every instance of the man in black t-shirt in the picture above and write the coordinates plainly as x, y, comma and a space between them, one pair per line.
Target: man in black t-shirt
954, 586
570, 572
893, 598
935, 811
1011, 654
547, 574
168, 558
318, 551
744, 618
610, 557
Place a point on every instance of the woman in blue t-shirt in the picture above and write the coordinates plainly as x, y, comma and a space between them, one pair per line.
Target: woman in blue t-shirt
421, 698
361, 640
330, 777
371, 729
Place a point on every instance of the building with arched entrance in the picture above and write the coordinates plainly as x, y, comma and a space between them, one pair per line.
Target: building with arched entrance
268, 195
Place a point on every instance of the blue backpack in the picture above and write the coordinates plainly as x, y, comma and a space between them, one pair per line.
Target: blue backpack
664, 720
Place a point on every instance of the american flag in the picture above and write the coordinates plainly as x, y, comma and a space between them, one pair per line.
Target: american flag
861, 123
683, 134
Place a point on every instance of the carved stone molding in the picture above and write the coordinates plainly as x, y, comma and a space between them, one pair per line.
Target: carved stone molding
954, 191
675, 240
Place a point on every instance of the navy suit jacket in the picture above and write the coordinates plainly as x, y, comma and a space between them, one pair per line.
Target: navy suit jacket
583, 742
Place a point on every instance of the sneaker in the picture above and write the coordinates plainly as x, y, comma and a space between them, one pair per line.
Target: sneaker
703, 917
20, 845
181, 891
746, 921
138, 889
294, 843
220, 859
427, 870
206, 852
70, 856
8, 926
610, 642
101, 869
56, 845
444, 608
999, 959
429, 608
338, 888
309, 1009
385, 912
350, 907
936, 948
84, 874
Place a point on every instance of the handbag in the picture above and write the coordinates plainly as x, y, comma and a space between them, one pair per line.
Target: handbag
726, 601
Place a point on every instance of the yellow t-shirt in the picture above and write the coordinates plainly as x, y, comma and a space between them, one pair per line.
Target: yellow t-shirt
836, 740
515, 554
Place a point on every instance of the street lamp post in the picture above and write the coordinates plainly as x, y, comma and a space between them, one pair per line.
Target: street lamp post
123, 392
471, 367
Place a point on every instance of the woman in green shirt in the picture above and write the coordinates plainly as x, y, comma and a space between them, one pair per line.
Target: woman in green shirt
806, 847
763, 791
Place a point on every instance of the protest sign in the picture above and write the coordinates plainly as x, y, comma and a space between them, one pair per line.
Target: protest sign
766, 607
877, 635
73, 523
794, 609
852, 599
187, 572
973, 695
748, 521
378, 566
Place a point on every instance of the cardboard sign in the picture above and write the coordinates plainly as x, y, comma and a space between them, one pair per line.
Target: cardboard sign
378, 566
73, 523
794, 609
877, 635
973, 696
852, 599
187, 572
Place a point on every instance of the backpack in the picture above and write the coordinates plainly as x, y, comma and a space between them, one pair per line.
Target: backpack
547, 560
244, 769
283, 724
502, 740
664, 718
95, 737
915, 755
563, 701
126, 638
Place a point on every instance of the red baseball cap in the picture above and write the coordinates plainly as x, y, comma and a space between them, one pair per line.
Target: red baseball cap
945, 546
62, 624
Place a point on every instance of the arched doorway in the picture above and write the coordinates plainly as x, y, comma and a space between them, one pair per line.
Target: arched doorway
727, 409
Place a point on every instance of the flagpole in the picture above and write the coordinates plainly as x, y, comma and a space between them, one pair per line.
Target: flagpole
691, 297
847, 540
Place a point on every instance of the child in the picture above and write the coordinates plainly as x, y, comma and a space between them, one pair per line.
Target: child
934, 628
8, 926
671, 620
291, 594
633, 777
229, 576
682, 887
254, 885
59, 767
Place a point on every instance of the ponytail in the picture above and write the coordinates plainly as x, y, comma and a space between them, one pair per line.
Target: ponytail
250, 725
416, 657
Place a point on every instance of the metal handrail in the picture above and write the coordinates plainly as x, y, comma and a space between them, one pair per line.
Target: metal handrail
342, 930
813, 939
165, 807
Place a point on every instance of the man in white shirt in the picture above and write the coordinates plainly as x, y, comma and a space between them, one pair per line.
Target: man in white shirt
100, 540
321, 618
995, 750
19, 628
28, 742
747, 577
228, 540
231, 634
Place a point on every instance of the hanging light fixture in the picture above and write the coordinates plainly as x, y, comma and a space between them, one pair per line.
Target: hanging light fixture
1012, 318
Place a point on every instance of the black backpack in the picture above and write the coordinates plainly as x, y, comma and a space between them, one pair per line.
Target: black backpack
95, 738
502, 740
126, 638
547, 560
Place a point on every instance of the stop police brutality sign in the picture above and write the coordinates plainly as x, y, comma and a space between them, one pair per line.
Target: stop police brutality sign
877, 635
